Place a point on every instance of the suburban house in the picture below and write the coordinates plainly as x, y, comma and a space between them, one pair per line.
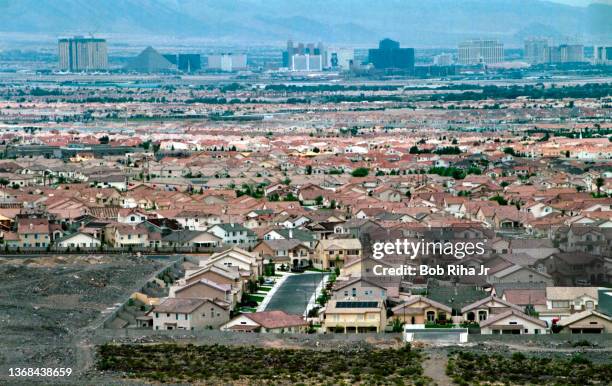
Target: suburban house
385, 193
313, 195
191, 239
196, 220
127, 236
363, 266
562, 302
11, 240
131, 216
481, 310
34, 232
78, 240
214, 273
523, 297
421, 310
586, 322
323, 229
519, 274
358, 288
290, 252
306, 237
332, 253
5, 222
356, 227
513, 322
538, 209
248, 265
188, 314
536, 248
576, 268
267, 321
233, 233
203, 288
117, 181
588, 239
507, 217
355, 316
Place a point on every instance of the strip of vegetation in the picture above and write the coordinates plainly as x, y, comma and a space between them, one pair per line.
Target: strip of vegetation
218, 364
255, 298
330, 88
590, 90
466, 368
454, 172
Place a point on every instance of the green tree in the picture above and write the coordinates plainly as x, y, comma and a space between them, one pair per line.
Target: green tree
397, 325
509, 150
319, 200
360, 172
530, 310
448, 150
599, 183
290, 197
500, 200
252, 286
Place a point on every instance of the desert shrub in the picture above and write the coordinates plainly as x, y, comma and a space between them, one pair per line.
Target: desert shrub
218, 364
468, 368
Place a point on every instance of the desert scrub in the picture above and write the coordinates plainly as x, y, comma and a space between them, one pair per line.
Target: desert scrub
467, 368
219, 364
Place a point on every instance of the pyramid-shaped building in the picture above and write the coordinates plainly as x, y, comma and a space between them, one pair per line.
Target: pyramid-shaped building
150, 60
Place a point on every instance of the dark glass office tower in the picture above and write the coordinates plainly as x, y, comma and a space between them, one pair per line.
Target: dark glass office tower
189, 62
389, 55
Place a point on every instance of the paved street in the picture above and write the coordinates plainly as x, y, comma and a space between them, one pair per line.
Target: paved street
294, 294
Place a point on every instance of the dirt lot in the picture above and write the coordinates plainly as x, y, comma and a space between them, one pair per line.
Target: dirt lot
47, 305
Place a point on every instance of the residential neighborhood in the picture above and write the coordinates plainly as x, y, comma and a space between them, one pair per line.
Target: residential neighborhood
253, 214
306, 193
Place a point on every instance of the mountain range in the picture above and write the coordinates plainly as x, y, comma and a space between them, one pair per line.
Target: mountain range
419, 23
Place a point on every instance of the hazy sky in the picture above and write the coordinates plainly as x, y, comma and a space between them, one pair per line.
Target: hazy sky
579, 2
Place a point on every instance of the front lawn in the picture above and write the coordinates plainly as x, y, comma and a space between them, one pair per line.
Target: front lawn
255, 298
316, 269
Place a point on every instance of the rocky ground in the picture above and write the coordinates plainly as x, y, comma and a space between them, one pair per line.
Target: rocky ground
47, 305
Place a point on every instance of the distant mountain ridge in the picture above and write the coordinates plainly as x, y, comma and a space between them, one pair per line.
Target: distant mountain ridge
413, 22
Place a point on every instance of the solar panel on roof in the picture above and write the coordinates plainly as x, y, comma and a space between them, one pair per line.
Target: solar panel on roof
356, 304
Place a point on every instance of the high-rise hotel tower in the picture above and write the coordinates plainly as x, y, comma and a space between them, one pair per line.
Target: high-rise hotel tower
82, 54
